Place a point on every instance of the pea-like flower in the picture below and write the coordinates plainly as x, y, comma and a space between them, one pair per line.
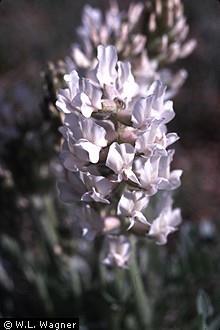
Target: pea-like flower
147, 171
131, 205
118, 251
169, 179
120, 159
155, 140
85, 138
166, 223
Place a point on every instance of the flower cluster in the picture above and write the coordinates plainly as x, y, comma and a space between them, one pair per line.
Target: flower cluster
113, 27
150, 36
167, 31
114, 148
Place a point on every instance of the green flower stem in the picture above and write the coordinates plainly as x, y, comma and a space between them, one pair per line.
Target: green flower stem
141, 300
115, 319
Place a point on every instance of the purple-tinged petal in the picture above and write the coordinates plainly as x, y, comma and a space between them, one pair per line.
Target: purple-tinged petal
106, 69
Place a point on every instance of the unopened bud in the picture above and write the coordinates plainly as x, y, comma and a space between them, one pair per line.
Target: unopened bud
111, 224
152, 22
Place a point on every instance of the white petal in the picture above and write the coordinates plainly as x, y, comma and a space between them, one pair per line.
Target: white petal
157, 89
120, 157
118, 251
132, 223
164, 166
106, 69
93, 132
113, 17
127, 152
165, 224
114, 159
98, 186
171, 138
141, 112
129, 174
87, 151
126, 204
142, 200
91, 16
102, 185
110, 130
168, 113
131, 202
175, 219
94, 196
138, 216
72, 81
126, 83
85, 106
72, 122
63, 101
134, 13
147, 141
79, 57
175, 179
93, 93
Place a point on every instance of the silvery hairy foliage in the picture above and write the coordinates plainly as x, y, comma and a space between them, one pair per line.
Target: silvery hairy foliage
151, 36
116, 154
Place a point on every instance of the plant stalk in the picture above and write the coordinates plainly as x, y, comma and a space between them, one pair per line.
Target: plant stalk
141, 300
